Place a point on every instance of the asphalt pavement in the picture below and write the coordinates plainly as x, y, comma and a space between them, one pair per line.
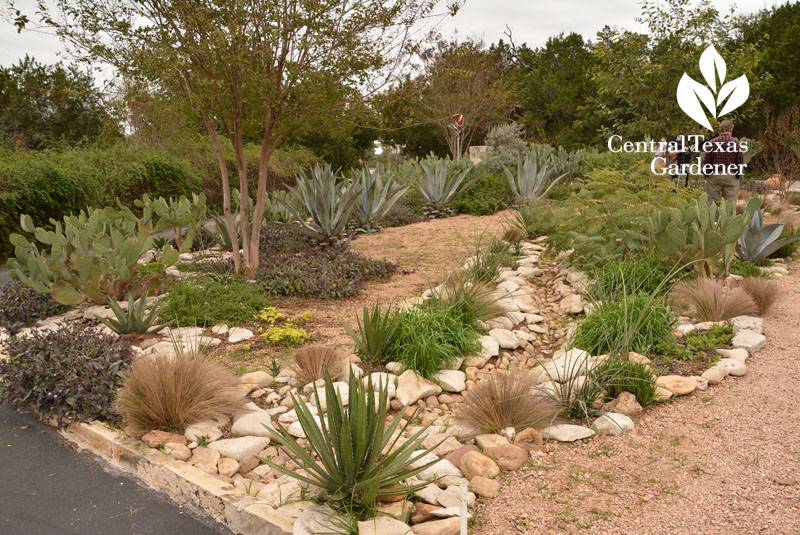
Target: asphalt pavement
46, 488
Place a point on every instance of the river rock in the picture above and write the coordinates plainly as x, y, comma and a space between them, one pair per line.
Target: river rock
411, 387
613, 423
239, 334
747, 323
505, 338
383, 525
677, 384
240, 448
452, 380
567, 432
474, 464
749, 340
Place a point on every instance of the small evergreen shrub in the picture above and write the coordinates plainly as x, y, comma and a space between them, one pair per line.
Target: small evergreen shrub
71, 373
209, 301
717, 336
488, 194
637, 323
21, 306
744, 268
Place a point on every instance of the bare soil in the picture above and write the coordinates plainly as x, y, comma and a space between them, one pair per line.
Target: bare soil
723, 460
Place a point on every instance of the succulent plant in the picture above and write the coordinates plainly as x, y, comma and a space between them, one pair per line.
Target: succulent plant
534, 177
759, 241
162, 214
322, 203
276, 207
93, 255
702, 231
136, 319
437, 185
378, 192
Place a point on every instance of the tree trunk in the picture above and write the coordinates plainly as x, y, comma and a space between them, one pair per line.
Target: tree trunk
226, 192
244, 195
268, 144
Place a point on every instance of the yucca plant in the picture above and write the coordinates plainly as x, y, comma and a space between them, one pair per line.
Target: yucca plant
760, 241
378, 192
534, 178
322, 203
352, 455
136, 320
437, 186
376, 330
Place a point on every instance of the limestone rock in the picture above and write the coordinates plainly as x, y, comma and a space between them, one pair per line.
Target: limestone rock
411, 387
737, 354
429, 494
484, 487
227, 467
490, 346
206, 428
612, 423
157, 439
451, 497
747, 323
571, 304
567, 432
342, 391
715, 375
447, 526
383, 525
734, 367
259, 378
677, 384
318, 519
240, 448
440, 468
505, 338
662, 395
239, 334
474, 464
508, 457
452, 380
205, 459
625, 403
254, 423
530, 439
749, 340
491, 441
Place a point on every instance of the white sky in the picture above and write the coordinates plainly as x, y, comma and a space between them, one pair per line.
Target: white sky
530, 21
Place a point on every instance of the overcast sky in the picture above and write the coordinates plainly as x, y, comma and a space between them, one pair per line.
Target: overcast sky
531, 21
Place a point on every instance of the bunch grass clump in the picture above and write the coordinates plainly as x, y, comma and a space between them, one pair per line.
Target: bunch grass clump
503, 400
489, 257
477, 301
352, 455
763, 292
312, 363
639, 323
620, 374
707, 299
171, 393
640, 273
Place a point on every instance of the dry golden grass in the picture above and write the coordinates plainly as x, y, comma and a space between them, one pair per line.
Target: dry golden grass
504, 400
311, 363
170, 393
763, 292
478, 298
707, 299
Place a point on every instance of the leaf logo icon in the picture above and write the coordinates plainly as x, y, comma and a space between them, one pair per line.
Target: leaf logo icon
700, 101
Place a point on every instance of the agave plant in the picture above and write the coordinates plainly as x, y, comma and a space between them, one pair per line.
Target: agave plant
533, 179
437, 186
322, 204
759, 241
137, 319
378, 191
352, 455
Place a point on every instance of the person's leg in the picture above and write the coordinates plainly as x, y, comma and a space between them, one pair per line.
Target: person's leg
713, 190
731, 189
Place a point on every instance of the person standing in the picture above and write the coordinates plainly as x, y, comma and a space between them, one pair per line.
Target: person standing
723, 165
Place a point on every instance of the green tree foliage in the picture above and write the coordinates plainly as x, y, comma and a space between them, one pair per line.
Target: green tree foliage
552, 83
46, 104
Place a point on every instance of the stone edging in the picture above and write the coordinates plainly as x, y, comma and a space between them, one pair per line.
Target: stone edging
184, 483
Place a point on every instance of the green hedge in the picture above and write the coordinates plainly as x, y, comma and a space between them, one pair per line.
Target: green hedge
488, 194
51, 183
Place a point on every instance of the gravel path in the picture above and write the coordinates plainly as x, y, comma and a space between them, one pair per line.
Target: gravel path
725, 460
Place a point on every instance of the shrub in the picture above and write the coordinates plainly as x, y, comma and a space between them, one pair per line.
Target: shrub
173, 393
707, 299
285, 335
21, 306
503, 400
506, 143
638, 322
376, 333
486, 194
328, 274
430, 337
538, 220
639, 273
744, 268
209, 301
136, 319
353, 456
312, 363
404, 212
69, 373
716, 336
619, 374
763, 292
